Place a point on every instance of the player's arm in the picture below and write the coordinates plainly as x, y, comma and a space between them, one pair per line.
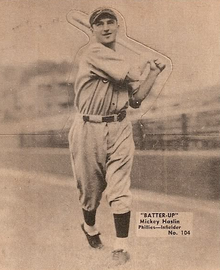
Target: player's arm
156, 67
106, 63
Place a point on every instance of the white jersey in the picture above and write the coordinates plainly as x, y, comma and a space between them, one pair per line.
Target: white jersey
100, 84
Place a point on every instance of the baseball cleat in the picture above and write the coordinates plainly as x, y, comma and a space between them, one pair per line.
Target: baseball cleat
94, 240
119, 257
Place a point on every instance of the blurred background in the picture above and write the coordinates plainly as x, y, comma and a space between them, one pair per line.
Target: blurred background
37, 70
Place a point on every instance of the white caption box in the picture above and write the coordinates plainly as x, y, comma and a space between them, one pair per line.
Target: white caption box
164, 224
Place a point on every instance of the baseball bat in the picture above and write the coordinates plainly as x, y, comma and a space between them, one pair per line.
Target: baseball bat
81, 21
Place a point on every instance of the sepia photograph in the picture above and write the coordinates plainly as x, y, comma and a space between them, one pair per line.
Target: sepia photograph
109, 134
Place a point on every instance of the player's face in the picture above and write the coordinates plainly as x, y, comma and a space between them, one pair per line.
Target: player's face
105, 30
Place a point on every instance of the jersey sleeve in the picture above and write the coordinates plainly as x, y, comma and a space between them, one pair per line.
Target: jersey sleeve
105, 61
133, 86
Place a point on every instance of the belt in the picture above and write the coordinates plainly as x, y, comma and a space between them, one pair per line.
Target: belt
109, 118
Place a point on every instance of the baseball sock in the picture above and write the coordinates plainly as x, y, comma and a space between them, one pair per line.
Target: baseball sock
122, 222
89, 222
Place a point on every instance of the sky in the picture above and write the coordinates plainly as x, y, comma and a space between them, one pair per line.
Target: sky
187, 31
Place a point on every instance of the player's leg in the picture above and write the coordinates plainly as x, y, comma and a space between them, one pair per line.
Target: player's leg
88, 161
90, 230
119, 164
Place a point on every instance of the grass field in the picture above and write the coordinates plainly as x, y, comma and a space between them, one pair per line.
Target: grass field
40, 229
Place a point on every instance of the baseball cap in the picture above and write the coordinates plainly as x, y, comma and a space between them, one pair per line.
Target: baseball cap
100, 11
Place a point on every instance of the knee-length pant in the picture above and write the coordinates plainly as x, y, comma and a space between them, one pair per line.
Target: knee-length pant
102, 157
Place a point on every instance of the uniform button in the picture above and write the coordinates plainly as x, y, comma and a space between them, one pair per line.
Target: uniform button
113, 103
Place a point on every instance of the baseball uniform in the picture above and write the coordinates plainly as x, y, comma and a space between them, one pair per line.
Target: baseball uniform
102, 151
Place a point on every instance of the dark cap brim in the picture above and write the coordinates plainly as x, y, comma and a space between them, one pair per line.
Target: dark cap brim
101, 12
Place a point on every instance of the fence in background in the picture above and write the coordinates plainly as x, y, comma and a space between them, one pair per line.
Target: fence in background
181, 132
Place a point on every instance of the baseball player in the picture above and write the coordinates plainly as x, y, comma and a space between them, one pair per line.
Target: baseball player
100, 139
